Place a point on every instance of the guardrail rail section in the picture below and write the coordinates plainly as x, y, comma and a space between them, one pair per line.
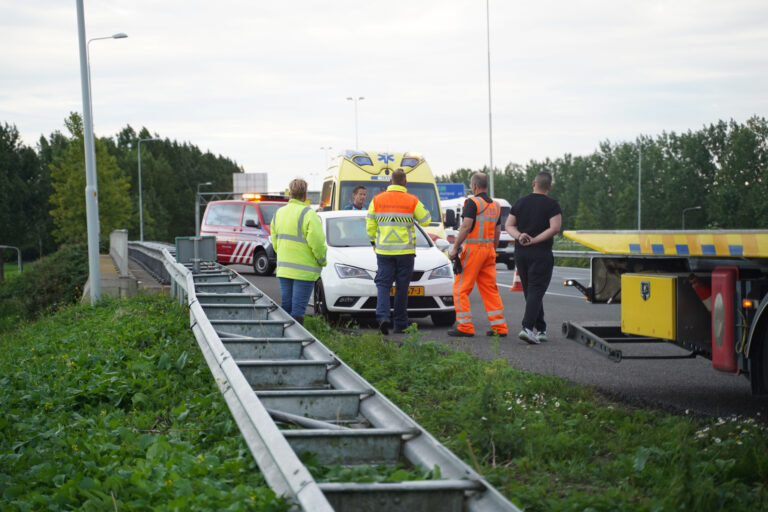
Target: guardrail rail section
290, 394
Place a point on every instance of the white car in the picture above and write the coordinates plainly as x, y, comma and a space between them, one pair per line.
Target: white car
346, 284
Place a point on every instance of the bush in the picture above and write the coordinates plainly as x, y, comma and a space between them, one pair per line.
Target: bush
45, 285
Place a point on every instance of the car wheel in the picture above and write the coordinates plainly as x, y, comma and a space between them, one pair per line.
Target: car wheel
443, 319
320, 306
261, 264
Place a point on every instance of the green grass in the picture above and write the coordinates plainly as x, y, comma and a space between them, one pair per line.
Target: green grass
548, 444
10, 271
113, 408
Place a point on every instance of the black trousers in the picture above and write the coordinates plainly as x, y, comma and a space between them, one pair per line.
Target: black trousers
534, 264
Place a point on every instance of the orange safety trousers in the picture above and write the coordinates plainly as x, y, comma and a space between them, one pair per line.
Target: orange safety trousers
479, 267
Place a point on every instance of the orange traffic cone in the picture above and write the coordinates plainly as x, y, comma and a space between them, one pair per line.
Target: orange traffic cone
517, 284
702, 290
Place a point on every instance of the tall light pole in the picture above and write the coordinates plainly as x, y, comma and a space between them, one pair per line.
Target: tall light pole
325, 161
639, 182
91, 185
490, 124
355, 100
689, 210
141, 208
119, 35
197, 206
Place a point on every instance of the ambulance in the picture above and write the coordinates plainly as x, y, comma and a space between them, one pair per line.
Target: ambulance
373, 169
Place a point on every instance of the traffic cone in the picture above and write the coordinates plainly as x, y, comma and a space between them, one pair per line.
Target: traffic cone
517, 284
702, 290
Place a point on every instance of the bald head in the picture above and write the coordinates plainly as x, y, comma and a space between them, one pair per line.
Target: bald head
479, 180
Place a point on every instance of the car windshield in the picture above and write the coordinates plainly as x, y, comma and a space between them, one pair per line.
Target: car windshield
424, 191
350, 232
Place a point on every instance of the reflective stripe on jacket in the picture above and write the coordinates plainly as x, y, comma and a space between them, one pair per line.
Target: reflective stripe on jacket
391, 218
299, 242
486, 218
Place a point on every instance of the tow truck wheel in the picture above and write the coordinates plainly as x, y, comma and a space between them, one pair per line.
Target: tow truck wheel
758, 376
320, 306
261, 263
443, 319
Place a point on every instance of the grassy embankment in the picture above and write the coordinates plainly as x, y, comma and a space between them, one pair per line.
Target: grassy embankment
114, 407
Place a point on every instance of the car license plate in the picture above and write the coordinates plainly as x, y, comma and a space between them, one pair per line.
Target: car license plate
413, 291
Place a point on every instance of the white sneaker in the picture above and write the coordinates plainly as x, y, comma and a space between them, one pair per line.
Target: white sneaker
541, 336
529, 336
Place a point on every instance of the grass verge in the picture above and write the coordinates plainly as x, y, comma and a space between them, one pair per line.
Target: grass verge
548, 444
113, 408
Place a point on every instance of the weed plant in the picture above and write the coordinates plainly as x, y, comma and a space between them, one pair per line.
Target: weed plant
44, 286
548, 444
113, 408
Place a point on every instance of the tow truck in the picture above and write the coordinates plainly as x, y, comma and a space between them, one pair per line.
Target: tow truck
705, 291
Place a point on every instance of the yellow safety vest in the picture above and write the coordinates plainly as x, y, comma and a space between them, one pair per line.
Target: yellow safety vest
391, 218
299, 242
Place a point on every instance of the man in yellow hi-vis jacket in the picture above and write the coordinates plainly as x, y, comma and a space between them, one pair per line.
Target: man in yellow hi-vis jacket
390, 223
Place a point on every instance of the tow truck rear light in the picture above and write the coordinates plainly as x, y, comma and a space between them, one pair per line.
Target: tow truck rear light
748, 304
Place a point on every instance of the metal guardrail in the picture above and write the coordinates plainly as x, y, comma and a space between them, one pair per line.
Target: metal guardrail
269, 368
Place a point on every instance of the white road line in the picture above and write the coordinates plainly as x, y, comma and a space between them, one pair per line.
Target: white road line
508, 286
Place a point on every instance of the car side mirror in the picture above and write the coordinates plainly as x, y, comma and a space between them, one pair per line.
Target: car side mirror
442, 244
250, 223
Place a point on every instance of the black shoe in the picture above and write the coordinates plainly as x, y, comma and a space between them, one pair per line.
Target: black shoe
460, 334
494, 333
384, 327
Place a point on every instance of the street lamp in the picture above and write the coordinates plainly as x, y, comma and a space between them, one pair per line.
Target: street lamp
119, 35
326, 149
197, 206
688, 210
91, 186
490, 124
355, 100
141, 209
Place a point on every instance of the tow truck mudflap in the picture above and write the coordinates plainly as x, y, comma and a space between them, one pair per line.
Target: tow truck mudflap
599, 336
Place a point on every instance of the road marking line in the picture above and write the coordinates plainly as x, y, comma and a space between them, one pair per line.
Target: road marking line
508, 286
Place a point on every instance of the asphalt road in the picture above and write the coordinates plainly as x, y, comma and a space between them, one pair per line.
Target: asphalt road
677, 385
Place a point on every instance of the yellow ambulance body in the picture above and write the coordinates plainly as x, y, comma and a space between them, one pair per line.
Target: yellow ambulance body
373, 169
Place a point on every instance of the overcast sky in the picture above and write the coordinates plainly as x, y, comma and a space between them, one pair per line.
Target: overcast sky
265, 83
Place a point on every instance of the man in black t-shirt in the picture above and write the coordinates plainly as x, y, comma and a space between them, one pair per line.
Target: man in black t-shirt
533, 222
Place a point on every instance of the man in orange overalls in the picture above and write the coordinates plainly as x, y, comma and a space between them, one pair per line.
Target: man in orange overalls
479, 231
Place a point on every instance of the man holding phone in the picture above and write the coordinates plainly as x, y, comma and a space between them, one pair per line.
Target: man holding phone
533, 221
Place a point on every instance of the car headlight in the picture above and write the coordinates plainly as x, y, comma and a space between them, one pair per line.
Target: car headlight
347, 272
443, 272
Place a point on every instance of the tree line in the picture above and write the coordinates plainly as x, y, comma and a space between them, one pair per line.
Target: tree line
42, 191
722, 168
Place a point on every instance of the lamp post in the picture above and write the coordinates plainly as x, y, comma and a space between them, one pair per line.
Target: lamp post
197, 206
688, 210
325, 161
91, 186
141, 208
119, 35
355, 100
490, 124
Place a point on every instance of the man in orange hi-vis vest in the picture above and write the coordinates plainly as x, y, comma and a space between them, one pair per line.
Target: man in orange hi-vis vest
479, 231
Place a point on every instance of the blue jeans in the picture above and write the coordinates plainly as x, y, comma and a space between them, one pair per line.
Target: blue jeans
395, 269
295, 295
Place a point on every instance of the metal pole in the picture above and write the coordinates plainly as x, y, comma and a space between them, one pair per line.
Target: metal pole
18, 254
639, 182
490, 123
354, 100
91, 190
688, 210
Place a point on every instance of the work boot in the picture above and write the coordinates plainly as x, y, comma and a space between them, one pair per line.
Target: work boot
384, 327
460, 334
299, 319
493, 333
